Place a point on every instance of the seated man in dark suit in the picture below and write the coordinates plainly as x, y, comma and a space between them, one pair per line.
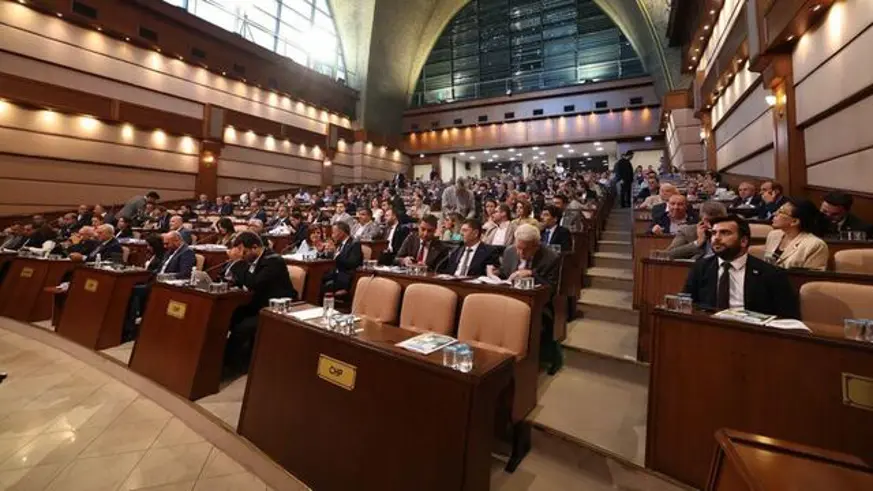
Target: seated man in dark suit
226, 209
16, 236
204, 204
179, 259
348, 256
747, 197
676, 217
82, 242
300, 230
262, 272
474, 257
528, 258
423, 247
258, 212
395, 233
177, 224
773, 198
733, 278
837, 207
108, 248
553, 233
83, 219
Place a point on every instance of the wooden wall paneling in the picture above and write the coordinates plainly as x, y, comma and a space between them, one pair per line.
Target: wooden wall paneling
154, 118
710, 150
788, 138
207, 171
42, 94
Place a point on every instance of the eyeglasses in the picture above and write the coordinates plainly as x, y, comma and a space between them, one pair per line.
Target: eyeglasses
784, 212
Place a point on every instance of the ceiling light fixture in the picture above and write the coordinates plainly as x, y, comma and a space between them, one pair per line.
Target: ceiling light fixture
648, 138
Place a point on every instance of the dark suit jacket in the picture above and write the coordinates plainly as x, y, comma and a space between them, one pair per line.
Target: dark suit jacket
163, 223
83, 220
560, 236
624, 170
226, 210
766, 290
260, 214
664, 221
852, 223
300, 235
350, 258
124, 234
84, 248
269, 279
757, 202
484, 256
181, 263
106, 250
436, 252
396, 242
768, 209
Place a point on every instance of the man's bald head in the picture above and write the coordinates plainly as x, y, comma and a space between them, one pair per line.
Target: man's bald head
172, 240
87, 232
176, 222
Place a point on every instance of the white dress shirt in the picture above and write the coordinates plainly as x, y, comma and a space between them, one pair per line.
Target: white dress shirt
390, 237
500, 235
738, 280
466, 257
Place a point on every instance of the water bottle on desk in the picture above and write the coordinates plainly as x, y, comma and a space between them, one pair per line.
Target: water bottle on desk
98, 261
328, 305
192, 280
464, 358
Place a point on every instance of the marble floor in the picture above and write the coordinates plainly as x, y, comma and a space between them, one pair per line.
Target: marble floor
65, 426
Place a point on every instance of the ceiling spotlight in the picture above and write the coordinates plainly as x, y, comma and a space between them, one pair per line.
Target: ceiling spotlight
566, 145
126, 38
706, 27
790, 38
536, 148
463, 153
572, 151
816, 8
597, 144
560, 156
99, 28
691, 67
586, 154
487, 151
472, 157
518, 155
421, 155
542, 153
60, 14
712, 12
511, 150
648, 138
508, 91
693, 58
702, 38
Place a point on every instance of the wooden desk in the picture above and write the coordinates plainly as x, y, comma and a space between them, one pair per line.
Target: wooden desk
709, 374
23, 296
211, 258
96, 305
666, 277
536, 299
182, 337
138, 252
315, 271
376, 247
280, 242
433, 427
746, 462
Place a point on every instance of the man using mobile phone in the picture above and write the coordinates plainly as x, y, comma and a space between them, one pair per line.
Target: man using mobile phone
692, 240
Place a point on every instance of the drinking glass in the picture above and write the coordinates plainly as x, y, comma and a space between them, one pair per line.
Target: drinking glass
465, 358
855, 329
450, 356
858, 235
277, 305
671, 302
685, 304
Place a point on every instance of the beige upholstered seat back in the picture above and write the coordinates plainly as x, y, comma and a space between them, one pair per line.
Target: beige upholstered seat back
200, 260
854, 261
490, 320
298, 279
429, 308
832, 303
377, 299
757, 251
367, 251
760, 230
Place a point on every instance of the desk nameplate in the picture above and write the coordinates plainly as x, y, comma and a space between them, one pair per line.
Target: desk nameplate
26, 272
91, 285
858, 391
176, 309
336, 372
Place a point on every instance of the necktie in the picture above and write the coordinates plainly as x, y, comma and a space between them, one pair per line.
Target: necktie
420, 257
465, 261
723, 296
548, 236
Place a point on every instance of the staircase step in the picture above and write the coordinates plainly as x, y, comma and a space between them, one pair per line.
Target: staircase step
608, 305
610, 278
624, 235
599, 401
620, 246
612, 260
601, 337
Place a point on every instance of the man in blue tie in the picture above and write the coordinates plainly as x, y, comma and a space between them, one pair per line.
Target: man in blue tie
553, 233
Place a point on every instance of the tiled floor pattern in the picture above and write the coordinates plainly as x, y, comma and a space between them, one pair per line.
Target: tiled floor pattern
65, 426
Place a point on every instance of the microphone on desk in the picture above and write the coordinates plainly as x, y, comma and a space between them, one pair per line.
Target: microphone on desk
442, 261
213, 268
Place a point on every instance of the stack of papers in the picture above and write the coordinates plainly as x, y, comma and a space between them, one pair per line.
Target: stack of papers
308, 314
758, 319
488, 280
427, 343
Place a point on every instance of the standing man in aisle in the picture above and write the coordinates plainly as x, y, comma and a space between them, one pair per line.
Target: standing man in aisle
624, 172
